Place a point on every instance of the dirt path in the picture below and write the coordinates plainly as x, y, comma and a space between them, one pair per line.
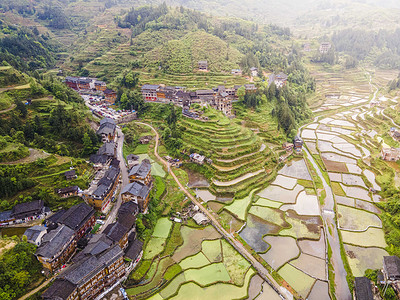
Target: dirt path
34, 154
26, 296
285, 294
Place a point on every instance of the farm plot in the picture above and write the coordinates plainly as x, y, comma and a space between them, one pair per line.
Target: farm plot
345, 201
308, 134
330, 138
208, 274
312, 147
234, 263
350, 179
196, 261
282, 250
192, 239
320, 291
268, 203
255, 287
216, 291
268, 293
154, 247
297, 169
353, 219
361, 259
372, 237
338, 158
368, 206
254, 231
205, 195
305, 205
239, 206
342, 123
276, 193
310, 265
300, 281
269, 214
315, 248
285, 182
356, 192
334, 166
162, 228
353, 168
302, 227
349, 149
371, 178
212, 250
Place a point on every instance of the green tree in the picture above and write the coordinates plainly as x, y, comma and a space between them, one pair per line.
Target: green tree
87, 144
241, 92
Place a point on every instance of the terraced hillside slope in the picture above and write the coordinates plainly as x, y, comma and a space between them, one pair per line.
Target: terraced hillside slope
239, 156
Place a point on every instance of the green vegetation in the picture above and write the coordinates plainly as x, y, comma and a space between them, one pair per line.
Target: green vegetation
20, 270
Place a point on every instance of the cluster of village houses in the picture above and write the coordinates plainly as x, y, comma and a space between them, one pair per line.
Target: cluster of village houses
102, 262
92, 85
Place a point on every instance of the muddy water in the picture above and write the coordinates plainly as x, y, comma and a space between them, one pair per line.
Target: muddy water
196, 179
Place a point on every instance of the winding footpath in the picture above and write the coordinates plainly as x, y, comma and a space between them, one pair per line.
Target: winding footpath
263, 272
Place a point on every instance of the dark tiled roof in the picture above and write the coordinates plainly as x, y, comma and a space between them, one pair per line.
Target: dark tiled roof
136, 189
107, 149
116, 231
107, 120
98, 158
61, 289
28, 208
134, 249
129, 208
106, 128
363, 288
132, 157
54, 241
127, 220
204, 92
77, 216
109, 91
5, 215
141, 170
83, 270
69, 189
97, 244
70, 173
115, 163
33, 232
392, 264
56, 216
152, 87
101, 190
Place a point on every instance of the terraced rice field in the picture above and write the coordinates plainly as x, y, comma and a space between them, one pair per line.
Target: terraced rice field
204, 265
358, 220
237, 153
284, 226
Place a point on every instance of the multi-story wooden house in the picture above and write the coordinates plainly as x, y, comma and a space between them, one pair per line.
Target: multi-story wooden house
110, 96
57, 248
90, 275
107, 130
118, 233
80, 218
141, 173
138, 193
149, 92
99, 195
100, 86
